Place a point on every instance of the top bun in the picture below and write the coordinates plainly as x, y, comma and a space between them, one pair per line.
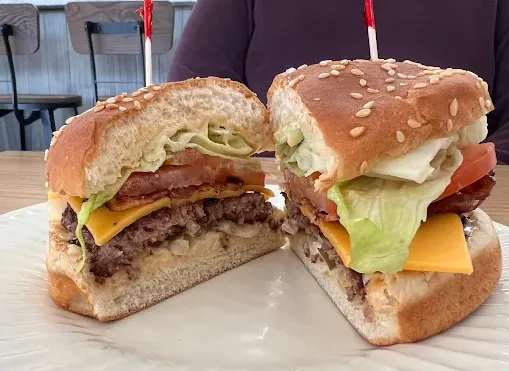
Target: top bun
112, 136
357, 112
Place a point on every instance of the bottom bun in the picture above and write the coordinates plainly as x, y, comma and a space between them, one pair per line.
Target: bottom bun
161, 275
411, 306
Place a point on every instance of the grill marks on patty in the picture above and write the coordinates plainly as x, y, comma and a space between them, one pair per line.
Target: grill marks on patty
122, 250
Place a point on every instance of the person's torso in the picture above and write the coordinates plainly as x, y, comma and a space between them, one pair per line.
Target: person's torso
446, 33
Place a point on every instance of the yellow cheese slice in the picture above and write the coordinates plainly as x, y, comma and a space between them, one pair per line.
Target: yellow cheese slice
438, 246
105, 224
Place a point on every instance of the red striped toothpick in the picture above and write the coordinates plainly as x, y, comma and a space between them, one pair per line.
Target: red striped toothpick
369, 19
146, 13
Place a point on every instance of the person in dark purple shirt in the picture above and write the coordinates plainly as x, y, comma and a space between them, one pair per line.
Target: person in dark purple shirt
251, 41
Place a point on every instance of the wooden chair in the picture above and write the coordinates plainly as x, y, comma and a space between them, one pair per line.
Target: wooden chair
19, 30
114, 28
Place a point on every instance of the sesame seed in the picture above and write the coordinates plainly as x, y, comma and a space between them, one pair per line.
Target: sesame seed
449, 125
365, 112
324, 75
400, 137
143, 90
390, 88
489, 103
414, 124
453, 108
52, 142
364, 167
317, 99
372, 91
369, 105
482, 103
110, 100
136, 93
98, 108
338, 67
434, 80
137, 105
99, 103
411, 76
398, 97
290, 70
389, 80
335, 72
477, 85
111, 106
356, 72
484, 85
472, 74
356, 132
390, 60
70, 119
446, 73
117, 98
127, 100
430, 72
356, 95
302, 66
386, 66
421, 74
344, 61
124, 94
391, 72
410, 62
56, 133
122, 109
324, 63
293, 82
157, 87
403, 83
420, 85
363, 82
46, 154
301, 77
46, 184
148, 96
401, 75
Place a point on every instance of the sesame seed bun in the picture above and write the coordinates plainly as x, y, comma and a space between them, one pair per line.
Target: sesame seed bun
411, 306
90, 152
357, 112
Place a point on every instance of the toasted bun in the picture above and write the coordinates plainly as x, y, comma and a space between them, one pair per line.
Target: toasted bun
326, 112
96, 145
162, 274
411, 306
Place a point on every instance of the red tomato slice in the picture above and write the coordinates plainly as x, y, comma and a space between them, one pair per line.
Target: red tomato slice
478, 160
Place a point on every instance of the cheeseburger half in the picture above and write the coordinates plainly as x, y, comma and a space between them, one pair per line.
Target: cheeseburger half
154, 192
384, 175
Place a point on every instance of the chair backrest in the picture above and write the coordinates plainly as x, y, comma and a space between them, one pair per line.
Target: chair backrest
23, 20
77, 13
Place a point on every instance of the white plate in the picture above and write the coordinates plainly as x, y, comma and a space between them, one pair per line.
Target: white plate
269, 314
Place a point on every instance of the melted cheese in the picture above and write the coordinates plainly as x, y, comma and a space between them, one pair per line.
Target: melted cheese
105, 224
438, 246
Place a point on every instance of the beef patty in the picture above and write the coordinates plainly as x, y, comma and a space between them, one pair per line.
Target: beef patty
296, 222
147, 232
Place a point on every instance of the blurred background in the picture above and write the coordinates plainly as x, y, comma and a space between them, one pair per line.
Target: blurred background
66, 55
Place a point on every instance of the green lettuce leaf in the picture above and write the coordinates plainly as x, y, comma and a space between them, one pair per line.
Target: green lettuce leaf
382, 216
295, 152
219, 142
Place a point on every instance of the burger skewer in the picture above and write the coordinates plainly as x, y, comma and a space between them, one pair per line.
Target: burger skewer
146, 14
369, 19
